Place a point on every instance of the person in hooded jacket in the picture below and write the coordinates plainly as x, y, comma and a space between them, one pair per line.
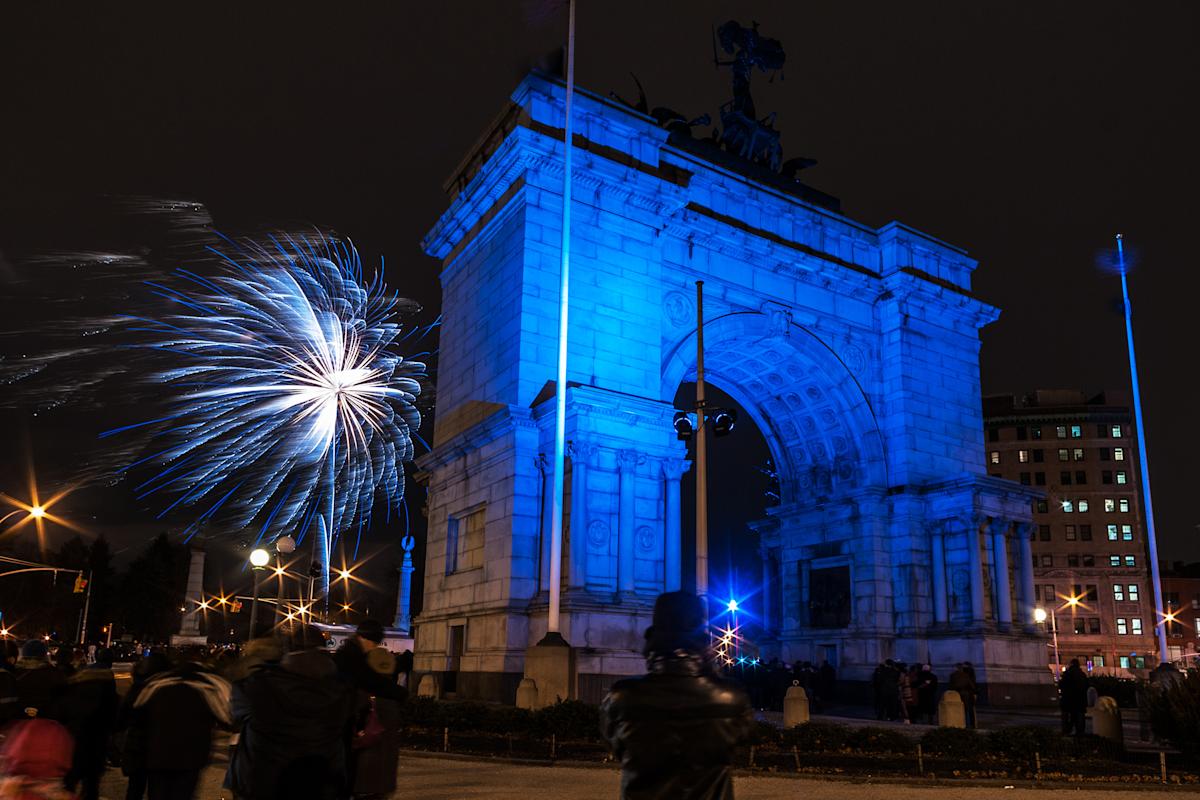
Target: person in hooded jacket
178, 710
674, 730
38, 683
295, 718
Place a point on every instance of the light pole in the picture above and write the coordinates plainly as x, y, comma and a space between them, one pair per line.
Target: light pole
1143, 458
258, 560
701, 459
1039, 615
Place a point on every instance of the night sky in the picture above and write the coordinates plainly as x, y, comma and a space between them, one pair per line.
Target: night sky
1026, 133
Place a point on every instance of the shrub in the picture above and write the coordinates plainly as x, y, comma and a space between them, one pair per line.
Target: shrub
1022, 741
765, 733
1123, 690
1174, 708
954, 743
567, 720
879, 740
508, 719
817, 737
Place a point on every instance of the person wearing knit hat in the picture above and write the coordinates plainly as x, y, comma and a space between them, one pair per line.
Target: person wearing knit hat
674, 730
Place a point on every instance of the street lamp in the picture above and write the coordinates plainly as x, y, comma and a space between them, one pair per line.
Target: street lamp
1039, 615
258, 560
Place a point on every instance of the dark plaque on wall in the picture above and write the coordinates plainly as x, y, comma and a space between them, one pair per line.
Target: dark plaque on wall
829, 597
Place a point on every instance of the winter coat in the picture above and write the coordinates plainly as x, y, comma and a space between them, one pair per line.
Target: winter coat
375, 766
295, 719
962, 682
39, 686
89, 710
351, 661
1073, 690
172, 719
34, 758
675, 730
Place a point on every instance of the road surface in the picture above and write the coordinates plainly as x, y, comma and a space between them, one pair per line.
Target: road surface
461, 779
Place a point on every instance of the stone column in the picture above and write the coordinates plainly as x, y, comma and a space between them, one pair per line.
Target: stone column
189, 629
627, 463
544, 508
1000, 559
1025, 536
976, 526
673, 469
403, 619
941, 613
581, 455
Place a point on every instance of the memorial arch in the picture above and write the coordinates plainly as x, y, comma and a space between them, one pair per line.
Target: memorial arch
854, 348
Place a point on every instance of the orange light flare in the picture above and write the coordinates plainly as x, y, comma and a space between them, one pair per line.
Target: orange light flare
1072, 602
1170, 615
38, 512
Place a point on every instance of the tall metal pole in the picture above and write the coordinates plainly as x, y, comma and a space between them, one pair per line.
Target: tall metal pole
1057, 660
1151, 540
701, 455
254, 607
87, 602
560, 404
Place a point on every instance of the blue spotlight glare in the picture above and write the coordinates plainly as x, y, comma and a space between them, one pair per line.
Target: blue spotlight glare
732, 605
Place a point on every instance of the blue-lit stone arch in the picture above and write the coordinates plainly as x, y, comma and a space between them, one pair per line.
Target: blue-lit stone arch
816, 420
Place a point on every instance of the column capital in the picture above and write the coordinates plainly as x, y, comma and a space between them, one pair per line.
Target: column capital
582, 451
629, 460
673, 468
973, 520
1024, 530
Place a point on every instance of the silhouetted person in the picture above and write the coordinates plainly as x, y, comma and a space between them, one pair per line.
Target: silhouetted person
674, 730
133, 726
927, 686
38, 683
294, 716
1072, 698
89, 710
963, 681
376, 758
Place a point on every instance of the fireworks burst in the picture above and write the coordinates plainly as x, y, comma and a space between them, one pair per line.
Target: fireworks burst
288, 409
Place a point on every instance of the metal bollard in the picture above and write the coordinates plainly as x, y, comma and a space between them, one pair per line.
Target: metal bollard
445, 740
920, 760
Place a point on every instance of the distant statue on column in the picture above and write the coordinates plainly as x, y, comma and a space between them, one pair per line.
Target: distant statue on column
403, 616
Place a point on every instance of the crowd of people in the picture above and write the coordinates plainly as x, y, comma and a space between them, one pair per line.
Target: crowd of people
909, 692
305, 722
767, 684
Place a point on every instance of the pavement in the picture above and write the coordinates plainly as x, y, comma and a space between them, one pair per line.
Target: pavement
436, 777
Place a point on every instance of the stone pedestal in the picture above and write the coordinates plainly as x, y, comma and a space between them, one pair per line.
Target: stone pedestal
550, 664
1106, 720
951, 711
795, 707
527, 694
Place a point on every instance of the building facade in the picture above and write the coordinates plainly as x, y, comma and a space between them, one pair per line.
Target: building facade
854, 349
1181, 604
1090, 557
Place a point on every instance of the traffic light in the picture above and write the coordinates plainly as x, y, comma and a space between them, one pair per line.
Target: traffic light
235, 606
80, 584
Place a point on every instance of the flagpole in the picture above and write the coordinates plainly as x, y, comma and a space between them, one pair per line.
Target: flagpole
560, 408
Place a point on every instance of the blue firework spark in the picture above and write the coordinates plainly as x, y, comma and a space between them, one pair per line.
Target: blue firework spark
288, 408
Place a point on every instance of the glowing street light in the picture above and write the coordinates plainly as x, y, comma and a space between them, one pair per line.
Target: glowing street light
1039, 615
258, 560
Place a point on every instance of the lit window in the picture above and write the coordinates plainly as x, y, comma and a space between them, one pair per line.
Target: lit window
1123, 505
1083, 506
1076, 432
1023, 456
1068, 507
1135, 625
994, 457
1127, 533
1118, 592
1077, 454
1070, 533
1112, 533
1118, 453
1139, 662
1110, 505
1122, 478
1133, 592
1098, 661
1061, 431
1114, 561
1130, 561
1116, 431
1122, 629
1036, 432
1064, 454
1124, 660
